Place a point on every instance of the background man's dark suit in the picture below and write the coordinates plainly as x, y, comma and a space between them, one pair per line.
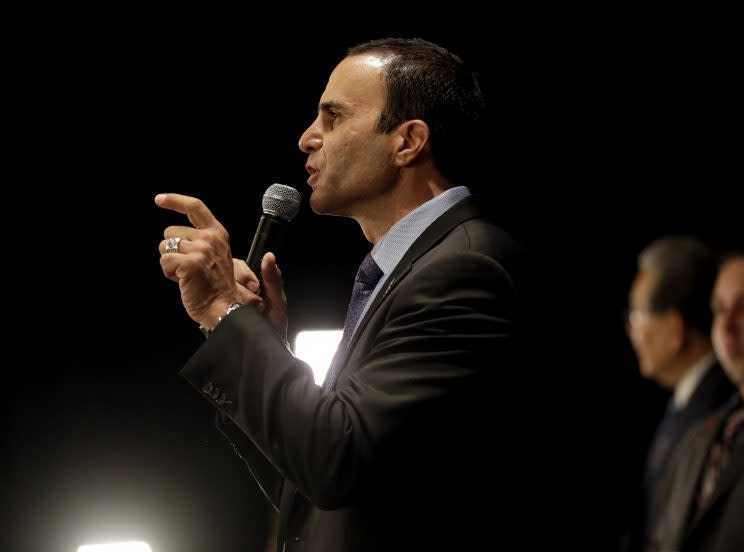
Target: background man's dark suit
713, 390
396, 457
718, 527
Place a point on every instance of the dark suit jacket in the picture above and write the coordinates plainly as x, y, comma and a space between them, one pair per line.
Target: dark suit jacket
419, 444
713, 390
720, 526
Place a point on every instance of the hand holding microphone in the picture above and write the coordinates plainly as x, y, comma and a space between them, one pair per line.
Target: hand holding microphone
199, 258
280, 204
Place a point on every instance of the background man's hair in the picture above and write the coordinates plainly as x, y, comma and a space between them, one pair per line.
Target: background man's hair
685, 269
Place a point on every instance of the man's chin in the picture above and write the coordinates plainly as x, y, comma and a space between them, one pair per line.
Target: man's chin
322, 203
317, 204
735, 370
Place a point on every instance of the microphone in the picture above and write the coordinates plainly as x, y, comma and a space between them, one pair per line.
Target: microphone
280, 204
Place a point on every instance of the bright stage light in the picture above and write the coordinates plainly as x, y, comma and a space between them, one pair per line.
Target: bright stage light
317, 347
133, 546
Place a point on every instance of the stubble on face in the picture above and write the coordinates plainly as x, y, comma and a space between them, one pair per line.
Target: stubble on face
354, 162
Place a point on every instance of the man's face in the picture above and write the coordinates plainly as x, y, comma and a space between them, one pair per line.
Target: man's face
728, 319
653, 335
350, 164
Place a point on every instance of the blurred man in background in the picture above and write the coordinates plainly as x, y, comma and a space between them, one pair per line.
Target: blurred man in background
701, 505
669, 325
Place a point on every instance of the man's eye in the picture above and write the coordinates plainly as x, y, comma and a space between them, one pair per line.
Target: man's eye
333, 117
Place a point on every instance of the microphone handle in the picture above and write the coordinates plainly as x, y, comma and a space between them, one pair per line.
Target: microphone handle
269, 237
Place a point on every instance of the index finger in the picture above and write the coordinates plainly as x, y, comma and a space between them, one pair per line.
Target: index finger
194, 208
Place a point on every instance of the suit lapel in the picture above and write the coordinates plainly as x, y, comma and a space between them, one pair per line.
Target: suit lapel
459, 213
698, 455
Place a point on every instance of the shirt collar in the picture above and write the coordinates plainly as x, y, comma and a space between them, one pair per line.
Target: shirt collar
689, 382
389, 250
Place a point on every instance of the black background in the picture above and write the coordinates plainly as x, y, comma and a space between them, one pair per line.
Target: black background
608, 132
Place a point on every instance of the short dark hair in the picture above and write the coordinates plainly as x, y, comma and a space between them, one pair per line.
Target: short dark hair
686, 268
730, 255
425, 81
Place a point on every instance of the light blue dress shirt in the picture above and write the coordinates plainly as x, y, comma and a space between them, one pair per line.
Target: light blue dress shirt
389, 250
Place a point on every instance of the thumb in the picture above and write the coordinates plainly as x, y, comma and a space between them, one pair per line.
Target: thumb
271, 276
275, 301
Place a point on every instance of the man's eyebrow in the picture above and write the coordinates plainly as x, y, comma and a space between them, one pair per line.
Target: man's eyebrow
330, 106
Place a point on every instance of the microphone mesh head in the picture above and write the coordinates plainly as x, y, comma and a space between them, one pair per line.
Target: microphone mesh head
281, 201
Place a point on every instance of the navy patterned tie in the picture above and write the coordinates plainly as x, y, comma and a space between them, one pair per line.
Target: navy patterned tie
719, 455
366, 279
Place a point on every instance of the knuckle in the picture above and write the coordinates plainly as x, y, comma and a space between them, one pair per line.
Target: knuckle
199, 258
200, 246
209, 238
241, 269
217, 234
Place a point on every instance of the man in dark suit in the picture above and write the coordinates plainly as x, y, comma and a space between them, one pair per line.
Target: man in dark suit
399, 450
703, 486
669, 327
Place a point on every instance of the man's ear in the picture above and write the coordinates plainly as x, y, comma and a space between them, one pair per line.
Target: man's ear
411, 138
674, 324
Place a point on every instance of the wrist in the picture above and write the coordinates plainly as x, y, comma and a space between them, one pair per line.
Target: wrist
215, 311
214, 321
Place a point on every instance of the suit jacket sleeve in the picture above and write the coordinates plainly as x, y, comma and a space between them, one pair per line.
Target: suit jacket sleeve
268, 478
409, 369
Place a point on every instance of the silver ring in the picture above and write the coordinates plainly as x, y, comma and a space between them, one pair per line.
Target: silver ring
171, 246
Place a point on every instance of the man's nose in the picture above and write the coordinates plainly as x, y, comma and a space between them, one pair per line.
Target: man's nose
311, 139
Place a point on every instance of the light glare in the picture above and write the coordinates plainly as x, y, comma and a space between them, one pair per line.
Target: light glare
317, 347
132, 546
